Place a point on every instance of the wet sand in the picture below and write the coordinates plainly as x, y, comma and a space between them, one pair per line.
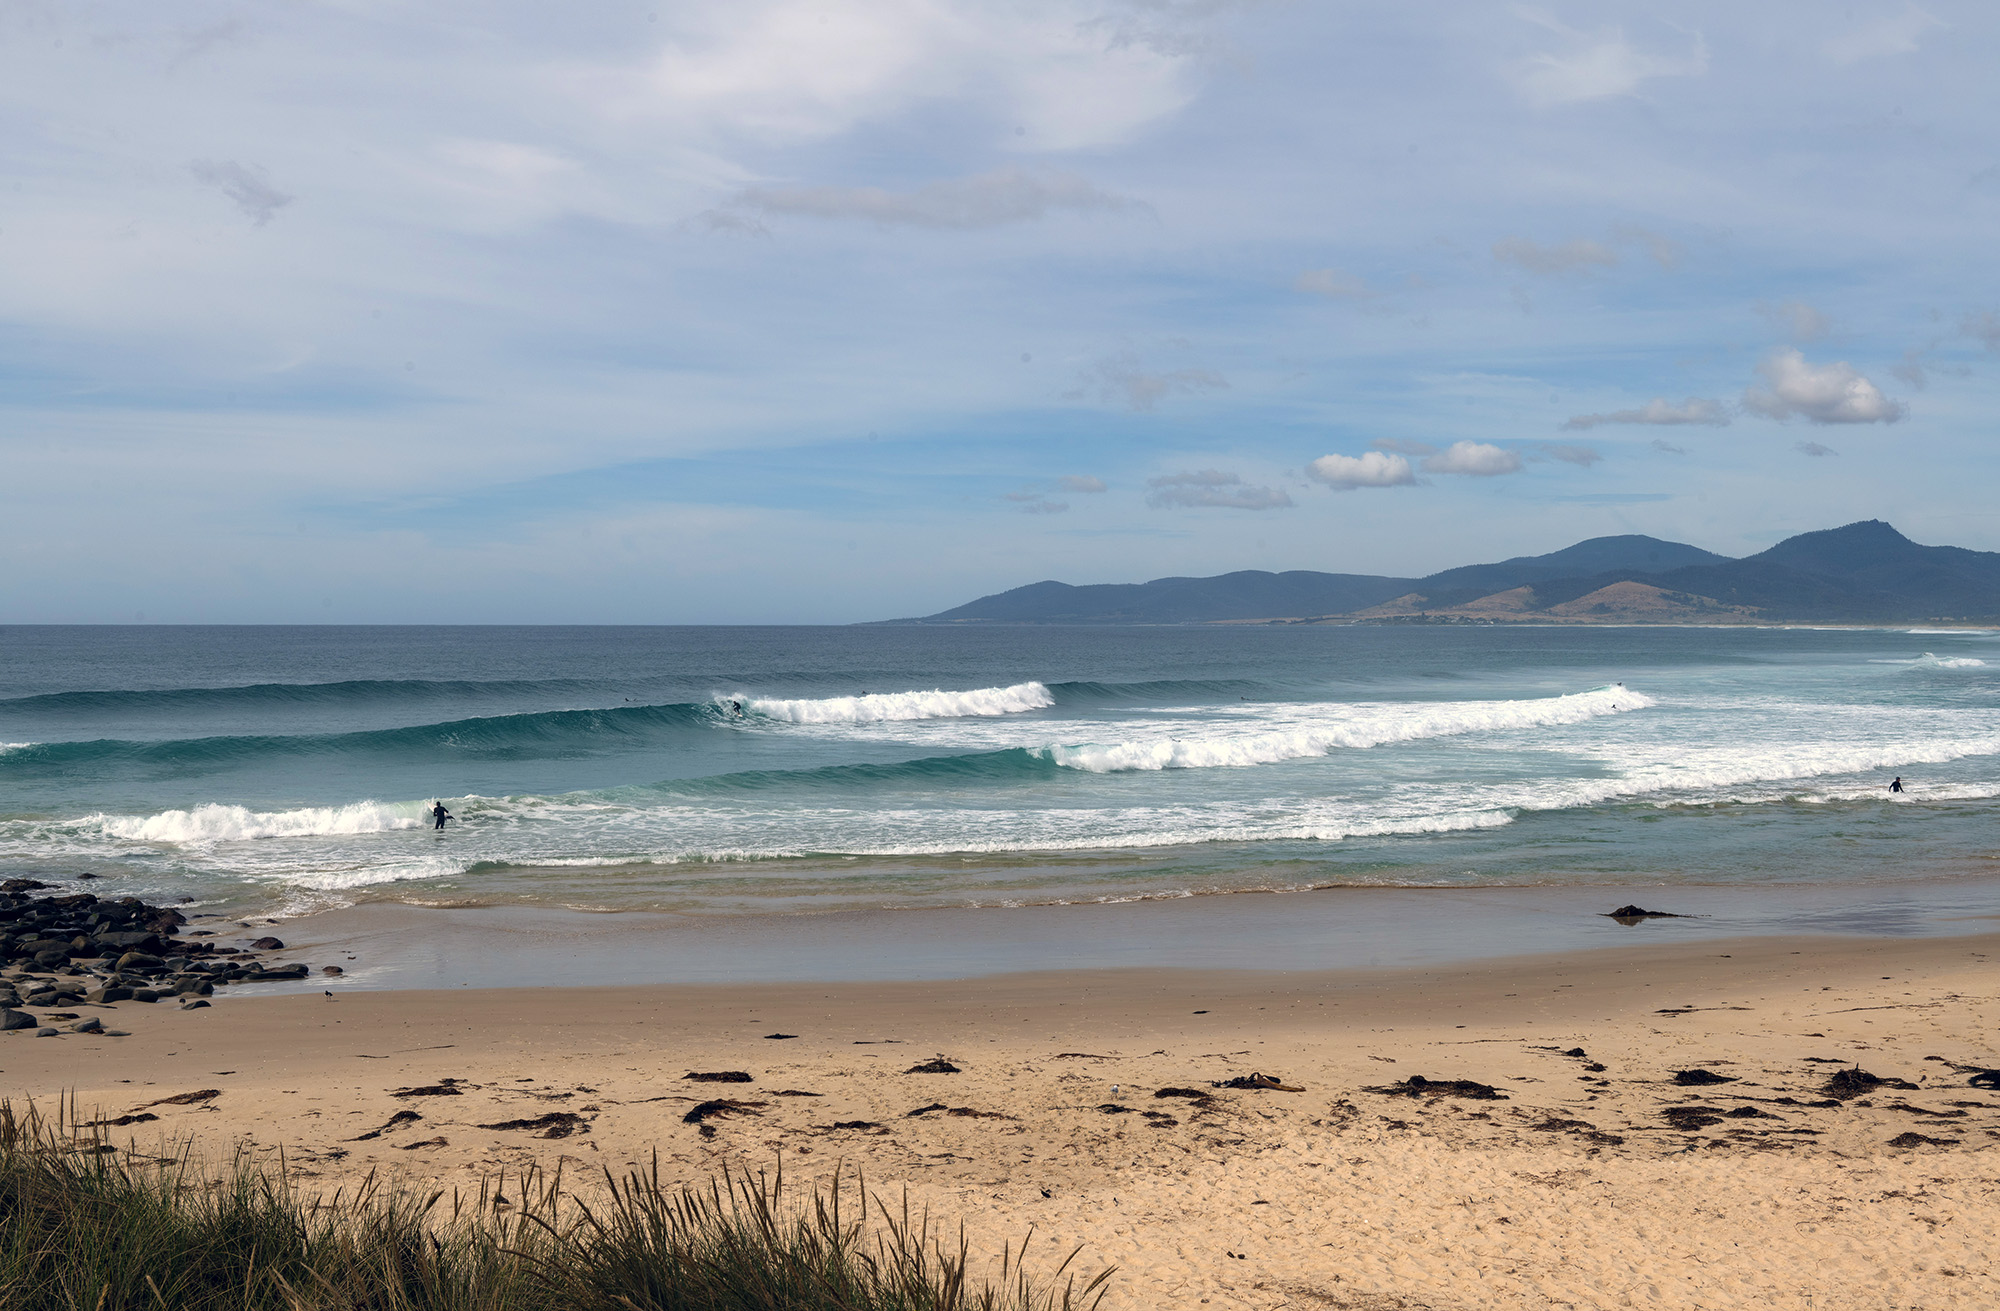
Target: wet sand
1570, 1186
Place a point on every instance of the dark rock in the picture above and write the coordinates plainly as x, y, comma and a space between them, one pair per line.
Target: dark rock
115, 943
146, 994
1256, 1082
1633, 914
282, 974
15, 886
1919, 1140
720, 1107
139, 960
109, 993
92, 1025
331, 969
1846, 1084
1418, 1086
267, 944
48, 1033
11, 1020
193, 1003
938, 1066
1577, 1051
1701, 1078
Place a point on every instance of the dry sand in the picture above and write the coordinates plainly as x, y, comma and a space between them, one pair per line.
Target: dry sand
1572, 1188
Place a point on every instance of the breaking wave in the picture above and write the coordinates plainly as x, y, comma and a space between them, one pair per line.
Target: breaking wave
880, 707
217, 823
1367, 727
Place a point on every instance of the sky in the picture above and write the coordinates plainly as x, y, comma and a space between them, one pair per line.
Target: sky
821, 311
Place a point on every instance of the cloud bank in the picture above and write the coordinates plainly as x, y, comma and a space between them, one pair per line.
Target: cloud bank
1826, 393
1658, 411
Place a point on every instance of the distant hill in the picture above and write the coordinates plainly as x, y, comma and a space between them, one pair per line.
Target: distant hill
1863, 573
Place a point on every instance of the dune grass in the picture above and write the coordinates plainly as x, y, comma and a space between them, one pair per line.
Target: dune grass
87, 1227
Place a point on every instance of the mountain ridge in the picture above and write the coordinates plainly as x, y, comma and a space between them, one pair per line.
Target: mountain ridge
1863, 572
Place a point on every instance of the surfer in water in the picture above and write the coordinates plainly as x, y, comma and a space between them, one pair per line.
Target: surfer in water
440, 814
1896, 783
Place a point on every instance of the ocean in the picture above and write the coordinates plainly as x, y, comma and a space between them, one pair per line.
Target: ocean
722, 772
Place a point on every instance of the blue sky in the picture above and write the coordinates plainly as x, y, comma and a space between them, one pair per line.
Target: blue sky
806, 311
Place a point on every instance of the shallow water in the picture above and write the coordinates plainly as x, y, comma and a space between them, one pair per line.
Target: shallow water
279, 770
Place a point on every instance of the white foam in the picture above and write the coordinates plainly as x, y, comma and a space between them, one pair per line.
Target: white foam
877, 707
1363, 726
216, 823
17, 746
1929, 661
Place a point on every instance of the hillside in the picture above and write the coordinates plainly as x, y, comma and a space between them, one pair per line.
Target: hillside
1862, 573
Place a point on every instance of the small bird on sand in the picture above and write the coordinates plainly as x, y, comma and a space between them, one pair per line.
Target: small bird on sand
1114, 1090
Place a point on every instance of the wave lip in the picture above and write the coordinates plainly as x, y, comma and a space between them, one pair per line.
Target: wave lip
881, 707
1369, 730
219, 823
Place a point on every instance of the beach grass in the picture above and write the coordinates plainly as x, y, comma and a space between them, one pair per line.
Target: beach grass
85, 1226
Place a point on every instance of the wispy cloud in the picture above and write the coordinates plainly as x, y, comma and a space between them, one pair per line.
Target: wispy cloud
1333, 284
1797, 320
1084, 483
246, 185
1369, 469
1577, 255
1658, 411
1814, 449
1212, 489
1123, 377
1983, 328
1583, 456
1896, 34
1597, 65
986, 200
1825, 393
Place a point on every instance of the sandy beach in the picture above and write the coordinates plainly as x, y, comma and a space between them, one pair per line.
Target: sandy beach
1083, 1105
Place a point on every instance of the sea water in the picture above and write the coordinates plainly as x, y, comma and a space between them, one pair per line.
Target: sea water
731, 771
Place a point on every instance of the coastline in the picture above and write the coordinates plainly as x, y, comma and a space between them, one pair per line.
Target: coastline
398, 945
1571, 1186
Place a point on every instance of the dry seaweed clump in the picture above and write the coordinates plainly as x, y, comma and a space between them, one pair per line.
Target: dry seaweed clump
1418, 1086
83, 1225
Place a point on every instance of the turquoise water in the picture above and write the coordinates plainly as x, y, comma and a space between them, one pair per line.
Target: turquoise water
734, 771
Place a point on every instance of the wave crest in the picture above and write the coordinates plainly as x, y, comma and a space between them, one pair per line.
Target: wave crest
218, 823
881, 707
1368, 730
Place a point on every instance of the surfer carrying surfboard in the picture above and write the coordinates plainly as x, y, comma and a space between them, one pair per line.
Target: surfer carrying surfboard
440, 814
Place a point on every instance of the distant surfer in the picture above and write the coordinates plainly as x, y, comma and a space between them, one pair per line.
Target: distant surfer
1896, 783
440, 814
736, 707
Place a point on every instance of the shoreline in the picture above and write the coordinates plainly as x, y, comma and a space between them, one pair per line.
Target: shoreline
1083, 1104
401, 946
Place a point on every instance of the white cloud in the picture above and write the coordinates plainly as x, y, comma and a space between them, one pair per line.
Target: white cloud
1598, 65
1007, 195
1826, 393
1369, 469
1814, 449
1896, 34
1570, 257
1081, 483
1797, 320
1333, 284
1474, 460
1584, 456
1659, 411
1212, 488
246, 186
1120, 377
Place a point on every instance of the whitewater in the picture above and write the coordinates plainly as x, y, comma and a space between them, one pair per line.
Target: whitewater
725, 772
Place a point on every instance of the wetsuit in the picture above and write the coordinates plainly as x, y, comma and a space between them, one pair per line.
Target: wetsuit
440, 814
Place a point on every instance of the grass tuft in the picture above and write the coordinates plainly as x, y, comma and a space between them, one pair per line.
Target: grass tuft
85, 1227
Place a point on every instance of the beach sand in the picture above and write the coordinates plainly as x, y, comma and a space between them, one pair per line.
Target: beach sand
1571, 1188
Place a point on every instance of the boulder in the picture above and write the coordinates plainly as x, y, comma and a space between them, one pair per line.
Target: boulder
139, 960
11, 1020
92, 1025
267, 944
109, 993
192, 1003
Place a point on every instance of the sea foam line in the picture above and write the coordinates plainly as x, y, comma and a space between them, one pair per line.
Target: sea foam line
1370, 729
877, 707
